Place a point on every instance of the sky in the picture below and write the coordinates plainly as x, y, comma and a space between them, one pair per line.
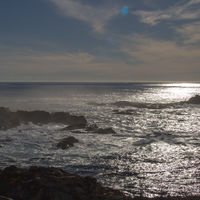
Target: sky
100, 40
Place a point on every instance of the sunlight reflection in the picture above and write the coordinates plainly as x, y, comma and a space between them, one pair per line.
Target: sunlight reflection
178, 91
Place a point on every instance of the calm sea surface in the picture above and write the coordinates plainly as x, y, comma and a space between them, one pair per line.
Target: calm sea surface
156, 151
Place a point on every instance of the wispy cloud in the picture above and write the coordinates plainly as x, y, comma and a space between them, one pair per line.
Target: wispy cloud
180, 11
190, 33
28, 65
162, 59
96, 16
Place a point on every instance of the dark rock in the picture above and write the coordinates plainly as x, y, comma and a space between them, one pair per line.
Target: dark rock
95, 129
36, 117
73, 127
9, 119
5, 141
124, 112
145, 105
77, 121
105, 131
92, 128
59, 117
194, 100
39, 183
67, 142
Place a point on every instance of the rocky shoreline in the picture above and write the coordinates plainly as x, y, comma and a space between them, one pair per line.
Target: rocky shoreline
10, 119
40, 183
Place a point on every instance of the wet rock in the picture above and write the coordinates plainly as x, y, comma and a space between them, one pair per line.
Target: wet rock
9, 119
124, 112
194, 100
67, 142
145, 105
92, 128
36, 117
4, 141
77, 122
39, 183
73, 127
105, 131
60, 117
95, 129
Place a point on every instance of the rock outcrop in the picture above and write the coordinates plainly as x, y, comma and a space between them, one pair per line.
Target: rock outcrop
9, 119
194, 100
39, 183
95, 129
67, 142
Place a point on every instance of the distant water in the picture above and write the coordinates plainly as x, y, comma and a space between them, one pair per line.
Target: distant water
156, 151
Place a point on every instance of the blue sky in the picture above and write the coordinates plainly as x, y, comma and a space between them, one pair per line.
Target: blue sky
100, 40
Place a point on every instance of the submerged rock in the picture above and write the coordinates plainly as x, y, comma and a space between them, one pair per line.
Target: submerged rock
95, 129
144, 105
92, 128
39, 183
124, 112
67, 142
194, 100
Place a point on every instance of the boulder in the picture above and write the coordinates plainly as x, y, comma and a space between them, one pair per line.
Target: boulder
77, 121
39, 183
67, 142
194, 100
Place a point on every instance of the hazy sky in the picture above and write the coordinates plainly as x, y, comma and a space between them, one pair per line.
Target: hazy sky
100, 40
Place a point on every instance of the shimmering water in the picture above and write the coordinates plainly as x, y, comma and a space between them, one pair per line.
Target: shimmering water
156, 151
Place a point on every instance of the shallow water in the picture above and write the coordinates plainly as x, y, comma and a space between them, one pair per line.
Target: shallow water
156, 151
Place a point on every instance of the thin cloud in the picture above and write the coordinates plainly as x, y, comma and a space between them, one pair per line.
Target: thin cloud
96, 16
28, 65
180, 11
190, 33
164, 59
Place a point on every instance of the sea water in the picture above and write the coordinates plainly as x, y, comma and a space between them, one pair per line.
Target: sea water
156, 151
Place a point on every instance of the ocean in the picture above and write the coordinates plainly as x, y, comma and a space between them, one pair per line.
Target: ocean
156, 148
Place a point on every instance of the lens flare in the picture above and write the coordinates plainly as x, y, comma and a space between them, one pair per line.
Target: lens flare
125, 10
